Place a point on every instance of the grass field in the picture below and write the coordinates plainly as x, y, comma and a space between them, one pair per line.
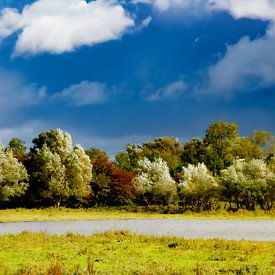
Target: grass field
125, 253
54, 214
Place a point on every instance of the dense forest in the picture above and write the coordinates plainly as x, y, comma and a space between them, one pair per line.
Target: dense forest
222, 170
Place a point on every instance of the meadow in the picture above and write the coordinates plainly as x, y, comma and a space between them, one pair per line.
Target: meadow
126, 253
67, 214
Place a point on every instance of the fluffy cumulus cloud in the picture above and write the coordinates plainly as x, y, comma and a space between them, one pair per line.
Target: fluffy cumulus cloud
254, 9
83, 94
248, 65
63, 25
13, 86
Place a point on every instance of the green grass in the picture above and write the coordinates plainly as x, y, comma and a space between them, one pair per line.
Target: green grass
125, 253
62, 214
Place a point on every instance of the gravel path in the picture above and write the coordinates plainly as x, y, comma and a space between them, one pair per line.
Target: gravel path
257, 230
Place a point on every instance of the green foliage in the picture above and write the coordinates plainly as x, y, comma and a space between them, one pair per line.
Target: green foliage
123, 161
57, 170
167, 148
94, 153
13, 176
18, 148
53, 175
246, 148
194, 152
60, 173
218, 140
248, 183
261, 138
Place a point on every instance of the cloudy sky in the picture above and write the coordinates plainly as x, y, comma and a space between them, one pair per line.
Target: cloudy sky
113, 72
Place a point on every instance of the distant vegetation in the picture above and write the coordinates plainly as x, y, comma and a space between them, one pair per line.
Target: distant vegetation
221, 171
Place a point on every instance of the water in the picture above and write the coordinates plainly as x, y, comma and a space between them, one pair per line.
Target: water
257, 230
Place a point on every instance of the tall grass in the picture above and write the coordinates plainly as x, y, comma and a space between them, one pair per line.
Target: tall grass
125, 253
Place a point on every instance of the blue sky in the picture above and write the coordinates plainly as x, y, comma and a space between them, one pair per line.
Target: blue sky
116, 72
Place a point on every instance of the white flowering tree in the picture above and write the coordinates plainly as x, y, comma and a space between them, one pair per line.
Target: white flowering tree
53, 176
154, 182
58, 170
13, 176
249, 182
78, 172
198, 187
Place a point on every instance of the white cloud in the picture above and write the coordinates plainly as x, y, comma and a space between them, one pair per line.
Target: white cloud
248, 65
15, 93
84, 93
58, 26
254, 9
171, 91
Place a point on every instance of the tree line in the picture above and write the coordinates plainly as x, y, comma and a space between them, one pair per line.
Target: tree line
222, 170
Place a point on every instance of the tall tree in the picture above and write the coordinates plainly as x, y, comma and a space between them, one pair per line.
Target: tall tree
111, 186
194, 152
218, 140
245, 148
57, 169
13, 176
154, 182
167, 148
198, 188
18, 148
248, 182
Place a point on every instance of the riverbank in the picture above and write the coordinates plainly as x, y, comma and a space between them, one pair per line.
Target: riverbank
66, 214
125, 253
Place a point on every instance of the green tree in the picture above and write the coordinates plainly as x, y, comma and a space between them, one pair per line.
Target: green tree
123, 161
13, 176
266, 141
261, 138
18, 148
58, 170
248, 183
167, 148
94, 153
52, 174
218, 140
194, 152
246, 148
